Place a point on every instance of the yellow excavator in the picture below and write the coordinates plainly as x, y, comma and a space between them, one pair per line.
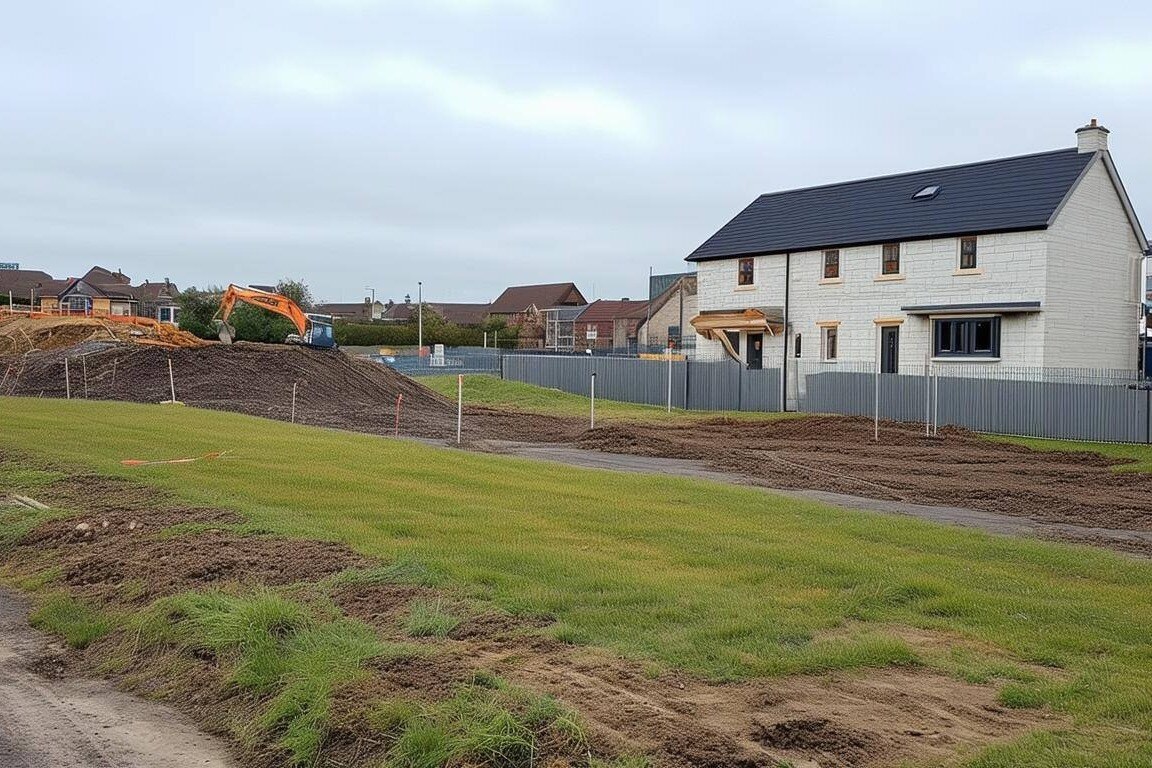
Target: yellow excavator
311, 330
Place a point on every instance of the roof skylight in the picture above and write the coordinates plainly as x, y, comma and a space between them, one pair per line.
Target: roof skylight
927, 192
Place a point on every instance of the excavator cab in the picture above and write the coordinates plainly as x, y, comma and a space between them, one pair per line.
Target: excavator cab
319, 333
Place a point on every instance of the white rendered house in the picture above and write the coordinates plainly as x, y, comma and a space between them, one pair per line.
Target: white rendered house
1031, 261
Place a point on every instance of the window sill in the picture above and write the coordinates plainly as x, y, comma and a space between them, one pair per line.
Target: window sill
831, 281
889, 278
965, 359
968, 272
744, 288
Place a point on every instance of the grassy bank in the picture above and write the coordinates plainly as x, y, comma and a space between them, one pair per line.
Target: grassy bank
1129, 457
722, 581
491, 391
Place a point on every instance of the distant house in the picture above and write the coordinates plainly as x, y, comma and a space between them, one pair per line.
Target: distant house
673, 306
455, 313
522, 302
103, 292
24, 284
359, 311
606, 324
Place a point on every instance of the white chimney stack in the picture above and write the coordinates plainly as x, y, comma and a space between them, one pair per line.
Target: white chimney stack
1092, 137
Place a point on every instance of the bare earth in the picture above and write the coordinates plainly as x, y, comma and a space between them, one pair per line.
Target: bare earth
74, 722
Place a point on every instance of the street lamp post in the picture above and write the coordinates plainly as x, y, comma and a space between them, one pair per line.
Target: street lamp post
420, 315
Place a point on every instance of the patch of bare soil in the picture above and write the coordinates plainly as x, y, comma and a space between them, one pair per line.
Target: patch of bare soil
959, 469
874, 718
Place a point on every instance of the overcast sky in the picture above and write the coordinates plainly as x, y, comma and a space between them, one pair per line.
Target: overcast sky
474, 144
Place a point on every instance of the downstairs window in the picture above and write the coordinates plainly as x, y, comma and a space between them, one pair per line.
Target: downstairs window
966, 337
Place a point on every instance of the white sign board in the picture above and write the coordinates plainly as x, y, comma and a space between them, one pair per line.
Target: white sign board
590, 334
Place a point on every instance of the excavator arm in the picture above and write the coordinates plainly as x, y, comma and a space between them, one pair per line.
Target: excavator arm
281, 305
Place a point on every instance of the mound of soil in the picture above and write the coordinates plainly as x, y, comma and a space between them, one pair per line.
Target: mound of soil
21, 335
332, 389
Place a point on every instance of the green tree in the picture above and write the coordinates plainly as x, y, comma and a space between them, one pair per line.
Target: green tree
197, 307
297, 290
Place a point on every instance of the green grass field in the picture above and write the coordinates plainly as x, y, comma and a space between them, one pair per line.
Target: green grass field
721, 581
1138, 457
482, 389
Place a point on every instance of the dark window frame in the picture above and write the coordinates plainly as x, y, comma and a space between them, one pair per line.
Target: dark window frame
832, 267
973, 256
975, 337
886, 258
746, 271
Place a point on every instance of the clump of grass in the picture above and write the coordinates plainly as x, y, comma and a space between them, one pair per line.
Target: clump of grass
195, 528
1018, 696
491, 723
275, 647
429, 619
17, 522
625, 761
80, 625
402, 571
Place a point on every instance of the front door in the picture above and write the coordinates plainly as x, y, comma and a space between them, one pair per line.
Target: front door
755, 354
890, 349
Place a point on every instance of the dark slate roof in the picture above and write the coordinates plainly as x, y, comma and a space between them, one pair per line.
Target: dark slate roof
1012, 194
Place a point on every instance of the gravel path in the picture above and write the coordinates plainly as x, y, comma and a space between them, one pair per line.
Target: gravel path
78, 723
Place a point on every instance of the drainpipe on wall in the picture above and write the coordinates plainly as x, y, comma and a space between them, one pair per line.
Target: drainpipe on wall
784, 365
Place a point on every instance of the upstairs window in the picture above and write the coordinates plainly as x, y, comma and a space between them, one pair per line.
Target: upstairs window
968, 253
890, 260
831, 265
966, 337
746, 272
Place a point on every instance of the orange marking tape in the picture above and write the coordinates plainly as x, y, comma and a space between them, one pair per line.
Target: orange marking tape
145, 463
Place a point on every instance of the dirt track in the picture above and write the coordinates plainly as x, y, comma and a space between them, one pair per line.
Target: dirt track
51, 722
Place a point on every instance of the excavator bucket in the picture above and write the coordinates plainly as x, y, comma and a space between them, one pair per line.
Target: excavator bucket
224, 331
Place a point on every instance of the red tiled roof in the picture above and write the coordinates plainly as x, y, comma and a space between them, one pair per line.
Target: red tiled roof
604, 310
519, 298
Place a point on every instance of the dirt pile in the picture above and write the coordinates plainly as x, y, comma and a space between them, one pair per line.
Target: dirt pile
20, 335
332, 389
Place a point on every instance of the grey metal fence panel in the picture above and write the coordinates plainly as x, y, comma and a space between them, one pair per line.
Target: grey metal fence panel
1051, 403
716, 386
1051, 409
630, 380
